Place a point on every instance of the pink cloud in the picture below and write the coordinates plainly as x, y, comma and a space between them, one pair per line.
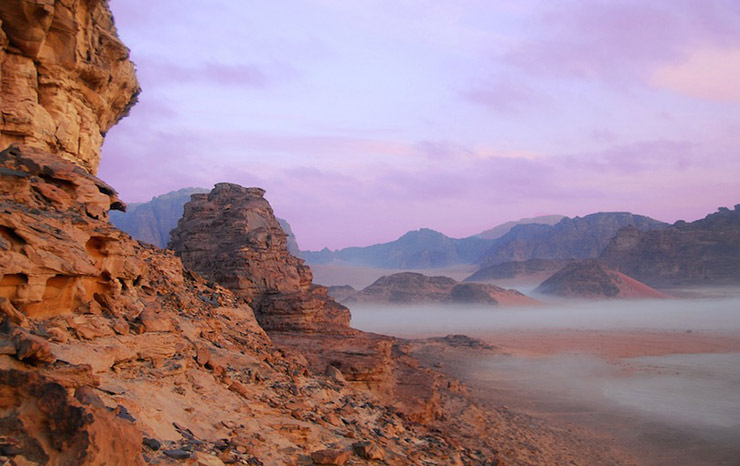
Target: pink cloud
623, 41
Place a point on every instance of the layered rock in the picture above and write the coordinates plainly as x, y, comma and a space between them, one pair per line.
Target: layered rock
410, 288
589, 279
231, 236
704, 252
152, 221
65, 77
164, 365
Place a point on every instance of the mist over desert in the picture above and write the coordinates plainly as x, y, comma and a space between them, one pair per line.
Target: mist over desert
658, 379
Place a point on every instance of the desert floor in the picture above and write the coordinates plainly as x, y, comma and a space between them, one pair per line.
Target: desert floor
666, 393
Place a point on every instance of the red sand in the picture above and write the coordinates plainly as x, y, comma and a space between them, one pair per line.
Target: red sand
612, 345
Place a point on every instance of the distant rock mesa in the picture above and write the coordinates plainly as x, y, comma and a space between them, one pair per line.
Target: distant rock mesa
411, 288
589, 279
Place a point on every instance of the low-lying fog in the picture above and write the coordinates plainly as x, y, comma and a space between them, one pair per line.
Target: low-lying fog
670, 314
669, 409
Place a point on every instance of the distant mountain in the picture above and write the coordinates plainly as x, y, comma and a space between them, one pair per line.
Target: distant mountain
501, 230
571, 238
508, 270
422, 248
151, 222
414, 288
706, 251
589, 279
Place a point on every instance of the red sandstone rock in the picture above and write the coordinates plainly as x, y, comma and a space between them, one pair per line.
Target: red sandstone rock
250, 256
330, 456
66, 77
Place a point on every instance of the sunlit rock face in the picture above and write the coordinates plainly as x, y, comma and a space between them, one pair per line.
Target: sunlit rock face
65, 77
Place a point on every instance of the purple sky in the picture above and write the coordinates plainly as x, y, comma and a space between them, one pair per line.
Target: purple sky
365, 119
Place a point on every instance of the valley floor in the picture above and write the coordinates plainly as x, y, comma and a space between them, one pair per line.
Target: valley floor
632, 398
637, 383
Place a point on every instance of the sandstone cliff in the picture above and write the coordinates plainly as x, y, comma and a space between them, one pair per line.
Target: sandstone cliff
113, 353
65, 77
589, 279
410, 288
704, 252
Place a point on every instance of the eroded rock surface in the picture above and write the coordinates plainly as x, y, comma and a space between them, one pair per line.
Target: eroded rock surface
65, 77
231, 236
105, 341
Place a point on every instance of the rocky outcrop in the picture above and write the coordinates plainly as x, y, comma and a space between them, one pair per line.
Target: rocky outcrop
704, 252
410, 288
571, 238
112, 353
152, 222
65, 77
232, 237
589, 279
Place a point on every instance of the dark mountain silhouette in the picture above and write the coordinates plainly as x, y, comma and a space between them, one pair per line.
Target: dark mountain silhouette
571, 238
706, 251
422, 248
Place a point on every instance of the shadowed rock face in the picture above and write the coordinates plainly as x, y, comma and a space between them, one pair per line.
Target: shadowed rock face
65, 77
231, 236
571, 238
589, 279
704, 252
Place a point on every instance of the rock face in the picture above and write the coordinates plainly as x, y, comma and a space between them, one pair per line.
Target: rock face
66, 77
571, 238
152, 222
415, 288
589, 279
105, 341
231, 236
704, 252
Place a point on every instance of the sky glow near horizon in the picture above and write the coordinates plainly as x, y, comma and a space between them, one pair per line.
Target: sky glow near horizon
366, 119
